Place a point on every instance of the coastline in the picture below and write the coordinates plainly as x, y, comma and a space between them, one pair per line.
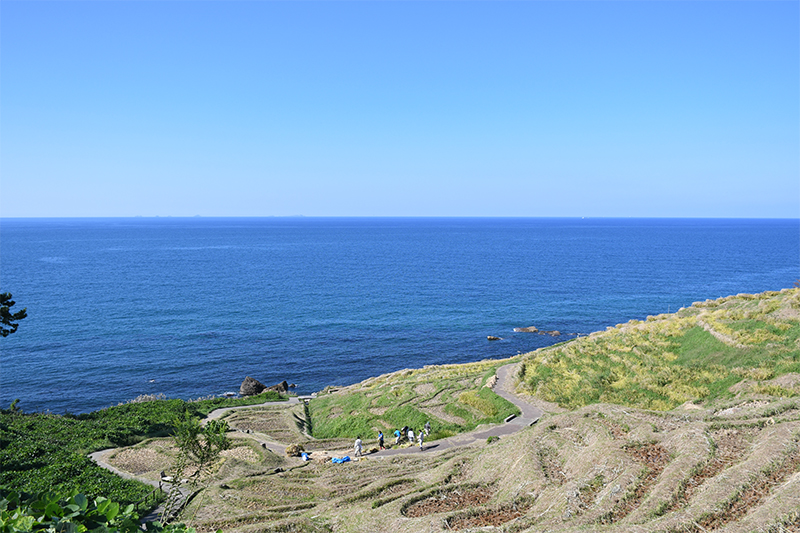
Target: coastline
454, 282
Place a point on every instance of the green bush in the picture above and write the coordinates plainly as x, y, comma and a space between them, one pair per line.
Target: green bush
42, 451
71, 512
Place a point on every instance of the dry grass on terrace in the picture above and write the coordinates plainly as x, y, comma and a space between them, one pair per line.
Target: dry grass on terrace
602, 467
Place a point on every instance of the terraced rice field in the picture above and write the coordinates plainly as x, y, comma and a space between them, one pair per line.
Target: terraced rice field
725, 461
734, 467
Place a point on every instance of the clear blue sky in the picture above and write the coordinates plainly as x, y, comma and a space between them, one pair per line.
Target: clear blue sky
676, 109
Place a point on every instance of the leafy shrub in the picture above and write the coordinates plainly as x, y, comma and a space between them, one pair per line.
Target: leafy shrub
71, 512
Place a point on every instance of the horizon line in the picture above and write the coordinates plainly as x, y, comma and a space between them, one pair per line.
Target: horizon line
614, 217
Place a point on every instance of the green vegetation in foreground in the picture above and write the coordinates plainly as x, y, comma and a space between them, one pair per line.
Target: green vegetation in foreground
670, 359
452, 397
71, 512
40, 451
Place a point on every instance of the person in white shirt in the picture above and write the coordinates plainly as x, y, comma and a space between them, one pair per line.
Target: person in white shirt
357, 447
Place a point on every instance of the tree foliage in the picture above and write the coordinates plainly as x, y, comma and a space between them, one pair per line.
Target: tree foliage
7, 318
199, 447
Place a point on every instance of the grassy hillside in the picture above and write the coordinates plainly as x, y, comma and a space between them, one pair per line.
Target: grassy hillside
698, 353
454, 398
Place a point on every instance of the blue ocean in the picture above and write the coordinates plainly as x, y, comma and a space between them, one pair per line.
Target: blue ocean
188, 307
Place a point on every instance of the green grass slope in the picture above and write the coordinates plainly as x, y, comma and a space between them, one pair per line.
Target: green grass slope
454, 398
698, 353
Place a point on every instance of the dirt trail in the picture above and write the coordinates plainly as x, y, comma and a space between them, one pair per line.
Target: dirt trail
182, 492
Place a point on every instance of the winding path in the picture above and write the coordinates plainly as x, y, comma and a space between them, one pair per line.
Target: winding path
530, 414
503, 387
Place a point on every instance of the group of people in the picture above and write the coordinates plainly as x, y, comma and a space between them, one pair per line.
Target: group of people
405, 431
408, 433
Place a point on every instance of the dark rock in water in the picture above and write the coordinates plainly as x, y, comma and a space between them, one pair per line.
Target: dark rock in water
554, 333
493, 338
280, 387
292, 385
251, 387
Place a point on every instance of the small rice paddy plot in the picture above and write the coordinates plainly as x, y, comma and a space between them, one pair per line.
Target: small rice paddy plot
754, 493
447, 499
279, 423
491, 517
654, 458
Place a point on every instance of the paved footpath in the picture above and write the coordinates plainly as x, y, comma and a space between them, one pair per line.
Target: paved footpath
503, 388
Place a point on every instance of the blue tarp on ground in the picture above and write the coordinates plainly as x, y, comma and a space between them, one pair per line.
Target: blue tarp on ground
344, 459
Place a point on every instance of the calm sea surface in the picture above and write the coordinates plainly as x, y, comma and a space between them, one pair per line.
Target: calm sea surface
189, 307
